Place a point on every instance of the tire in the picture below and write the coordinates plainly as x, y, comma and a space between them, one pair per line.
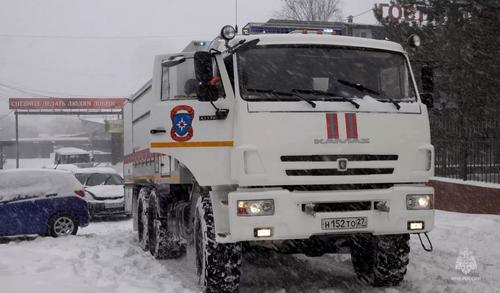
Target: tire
62, 224
142, 220
380, 260
218, 264
163, 244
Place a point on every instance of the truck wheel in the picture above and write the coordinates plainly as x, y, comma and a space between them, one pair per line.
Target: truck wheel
142, 220
380, 260
163, 244
218, 264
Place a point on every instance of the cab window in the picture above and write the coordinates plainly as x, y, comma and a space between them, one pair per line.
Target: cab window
179, 81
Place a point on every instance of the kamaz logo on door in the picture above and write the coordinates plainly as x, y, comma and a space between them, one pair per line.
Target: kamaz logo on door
345, 132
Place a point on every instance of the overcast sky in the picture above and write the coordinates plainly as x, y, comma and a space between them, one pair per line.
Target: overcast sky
106, 47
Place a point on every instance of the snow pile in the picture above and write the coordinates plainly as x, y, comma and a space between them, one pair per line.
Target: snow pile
105, 257
29, 163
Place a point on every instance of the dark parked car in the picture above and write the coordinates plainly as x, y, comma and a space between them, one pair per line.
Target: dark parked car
44, 202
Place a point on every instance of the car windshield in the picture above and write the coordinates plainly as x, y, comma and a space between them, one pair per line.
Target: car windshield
82, 177
95, 179
332, 71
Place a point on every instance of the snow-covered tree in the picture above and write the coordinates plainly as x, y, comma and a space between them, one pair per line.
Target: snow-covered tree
310, 10
461, 43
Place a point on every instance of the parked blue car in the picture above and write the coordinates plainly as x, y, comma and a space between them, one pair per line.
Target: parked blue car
41, 201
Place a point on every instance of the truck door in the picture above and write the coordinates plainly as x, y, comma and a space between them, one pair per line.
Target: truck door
188, 129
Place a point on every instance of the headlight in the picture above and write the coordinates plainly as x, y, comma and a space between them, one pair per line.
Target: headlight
263, 207
419, 201
228, 32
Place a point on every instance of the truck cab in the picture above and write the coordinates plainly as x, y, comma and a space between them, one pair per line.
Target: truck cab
296, 137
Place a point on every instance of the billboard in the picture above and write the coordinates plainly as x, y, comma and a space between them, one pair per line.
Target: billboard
66, 103
114, 126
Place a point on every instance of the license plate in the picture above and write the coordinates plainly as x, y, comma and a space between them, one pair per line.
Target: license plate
344, 223
114, 205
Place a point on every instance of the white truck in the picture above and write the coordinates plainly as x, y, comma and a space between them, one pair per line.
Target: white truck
304, 143
72, 156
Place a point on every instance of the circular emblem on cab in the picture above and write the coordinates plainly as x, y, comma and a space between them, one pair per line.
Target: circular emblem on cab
182, 123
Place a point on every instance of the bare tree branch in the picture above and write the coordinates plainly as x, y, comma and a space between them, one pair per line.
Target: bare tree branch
310, 10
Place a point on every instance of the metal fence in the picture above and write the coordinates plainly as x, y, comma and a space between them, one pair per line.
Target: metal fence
476, 160
466, 149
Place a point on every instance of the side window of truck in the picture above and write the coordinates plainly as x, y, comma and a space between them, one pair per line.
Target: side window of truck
179, 81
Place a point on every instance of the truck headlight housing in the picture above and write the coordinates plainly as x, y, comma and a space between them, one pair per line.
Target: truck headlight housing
228, 32
419, 201
264, 207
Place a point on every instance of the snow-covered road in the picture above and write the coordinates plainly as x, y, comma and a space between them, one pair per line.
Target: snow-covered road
104, 257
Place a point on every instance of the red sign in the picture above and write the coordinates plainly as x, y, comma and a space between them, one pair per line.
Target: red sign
66, 103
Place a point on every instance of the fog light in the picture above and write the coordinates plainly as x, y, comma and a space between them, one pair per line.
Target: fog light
263, 232
263, 207
419, 202
416, 225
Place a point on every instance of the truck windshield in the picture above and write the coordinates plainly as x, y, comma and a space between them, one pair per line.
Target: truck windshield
73, 159
337, 72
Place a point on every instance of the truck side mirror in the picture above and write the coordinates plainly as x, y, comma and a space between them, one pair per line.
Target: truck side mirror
427, 76
203, 66
206, 91
427, 79
427, 99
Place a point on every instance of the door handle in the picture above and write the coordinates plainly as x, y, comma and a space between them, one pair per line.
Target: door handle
156, 131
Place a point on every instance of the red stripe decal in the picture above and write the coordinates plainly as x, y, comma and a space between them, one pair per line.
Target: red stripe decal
348, 125
336, 126
351, 125
328, 123
354, 125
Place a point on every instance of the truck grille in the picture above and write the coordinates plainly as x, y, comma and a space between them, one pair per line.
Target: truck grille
327, 207
376, 165
335, 172
332, 158
327, 187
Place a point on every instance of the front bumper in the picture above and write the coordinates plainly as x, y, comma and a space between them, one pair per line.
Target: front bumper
107, 208
291, 222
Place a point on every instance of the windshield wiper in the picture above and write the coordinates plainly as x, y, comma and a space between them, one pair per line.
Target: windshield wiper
363, 88
327, 94
280, 93
390, 100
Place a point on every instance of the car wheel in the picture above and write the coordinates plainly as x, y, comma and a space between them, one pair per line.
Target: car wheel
62, 225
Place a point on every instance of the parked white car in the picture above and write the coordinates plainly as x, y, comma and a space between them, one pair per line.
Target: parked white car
103, 191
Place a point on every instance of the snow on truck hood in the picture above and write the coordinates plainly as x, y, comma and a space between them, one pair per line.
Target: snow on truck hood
106, 191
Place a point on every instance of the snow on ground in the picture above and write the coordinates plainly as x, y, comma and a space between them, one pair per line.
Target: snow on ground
105, 257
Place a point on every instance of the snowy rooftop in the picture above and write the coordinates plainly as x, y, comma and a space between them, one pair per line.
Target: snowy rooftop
71, 151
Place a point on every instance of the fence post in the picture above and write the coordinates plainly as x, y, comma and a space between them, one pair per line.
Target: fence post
463, 160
